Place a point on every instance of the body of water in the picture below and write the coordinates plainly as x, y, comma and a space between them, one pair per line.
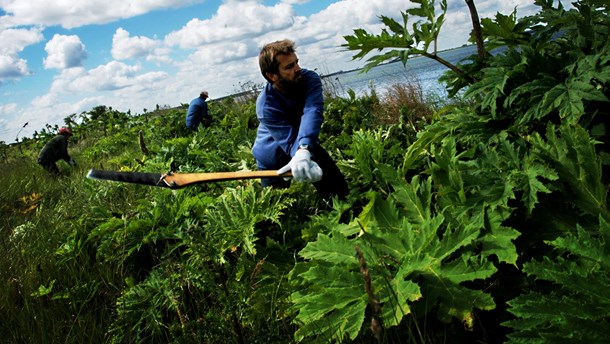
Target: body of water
420, 70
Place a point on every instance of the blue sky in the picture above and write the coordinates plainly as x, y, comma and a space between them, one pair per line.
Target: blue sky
63, 57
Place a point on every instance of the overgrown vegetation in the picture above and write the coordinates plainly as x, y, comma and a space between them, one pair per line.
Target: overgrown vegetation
485, 220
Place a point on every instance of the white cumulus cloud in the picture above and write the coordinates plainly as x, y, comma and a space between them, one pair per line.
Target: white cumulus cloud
13, 42
112, 76
126, 47
234, 20
12, 67
64, 52
75, 13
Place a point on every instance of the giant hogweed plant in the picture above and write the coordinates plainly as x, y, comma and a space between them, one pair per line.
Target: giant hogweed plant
568, 50
422, 244
450, 232
575, 307
186, 241
170, 249
498, 174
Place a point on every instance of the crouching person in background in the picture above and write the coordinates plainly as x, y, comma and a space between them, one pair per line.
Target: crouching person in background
54, 150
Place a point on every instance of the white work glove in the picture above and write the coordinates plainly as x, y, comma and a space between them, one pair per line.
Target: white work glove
303, 168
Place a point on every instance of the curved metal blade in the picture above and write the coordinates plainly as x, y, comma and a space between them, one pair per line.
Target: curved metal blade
142, 178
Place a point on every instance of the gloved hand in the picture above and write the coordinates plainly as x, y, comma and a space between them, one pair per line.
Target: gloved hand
303, 168
72, 162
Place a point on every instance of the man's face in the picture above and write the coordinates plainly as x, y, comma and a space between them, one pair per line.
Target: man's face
289, 72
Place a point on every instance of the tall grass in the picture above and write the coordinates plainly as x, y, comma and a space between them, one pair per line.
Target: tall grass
39, 212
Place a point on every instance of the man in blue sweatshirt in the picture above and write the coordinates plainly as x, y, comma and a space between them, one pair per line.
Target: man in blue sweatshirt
198, 112
290, 110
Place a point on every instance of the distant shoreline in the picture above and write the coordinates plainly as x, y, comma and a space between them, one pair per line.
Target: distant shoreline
340, 72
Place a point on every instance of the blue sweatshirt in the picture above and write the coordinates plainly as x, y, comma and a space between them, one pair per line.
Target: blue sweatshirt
198, 109
287, 122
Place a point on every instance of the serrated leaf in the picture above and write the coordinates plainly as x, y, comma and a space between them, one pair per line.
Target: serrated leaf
338, 250
567, 101
403, 43
313, 307
490, 88
594, 249
393, 25
378, 213
532, 174
232, 218
454, 300
343, 321
572, 155
421, 147
577, 306
500, 239
470, 269
396, 299
415, 198
392, 243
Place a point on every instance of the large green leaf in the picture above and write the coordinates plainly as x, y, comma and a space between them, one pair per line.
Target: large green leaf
232, 219
324, 316
499, 240
397, 295
427, 261
491, 89
403, 43
335, 308
576, 308
336, 250
532, 174
377, 214
572, 155
503, 31
415, 198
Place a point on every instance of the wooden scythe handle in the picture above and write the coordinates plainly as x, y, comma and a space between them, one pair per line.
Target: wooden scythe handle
178, 180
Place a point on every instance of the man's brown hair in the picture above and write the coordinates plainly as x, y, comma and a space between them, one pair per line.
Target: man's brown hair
266, 59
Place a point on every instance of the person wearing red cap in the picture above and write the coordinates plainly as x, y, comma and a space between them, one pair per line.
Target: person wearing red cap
54, 150
198, 112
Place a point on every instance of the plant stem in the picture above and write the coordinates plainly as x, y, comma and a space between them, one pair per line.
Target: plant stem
376, 326
476, 28
448, 65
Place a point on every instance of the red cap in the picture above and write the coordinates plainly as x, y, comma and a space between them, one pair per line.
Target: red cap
65, 131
